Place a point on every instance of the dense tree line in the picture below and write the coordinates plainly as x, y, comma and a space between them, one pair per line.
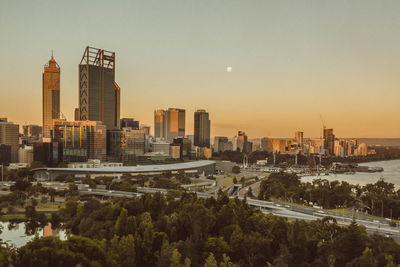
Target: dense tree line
157, 230
378, 199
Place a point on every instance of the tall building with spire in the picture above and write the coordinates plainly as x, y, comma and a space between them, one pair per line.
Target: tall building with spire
99, 94
51, 95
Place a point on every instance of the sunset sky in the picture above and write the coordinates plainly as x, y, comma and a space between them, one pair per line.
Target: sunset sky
291, 61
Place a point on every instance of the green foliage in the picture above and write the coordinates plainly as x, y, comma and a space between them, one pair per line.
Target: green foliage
50, 251
210, 261
236, 169
123, 250
158, 230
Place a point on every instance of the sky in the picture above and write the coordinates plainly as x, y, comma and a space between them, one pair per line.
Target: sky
292, 61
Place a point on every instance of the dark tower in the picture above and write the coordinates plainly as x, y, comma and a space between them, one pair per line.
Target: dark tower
99, 94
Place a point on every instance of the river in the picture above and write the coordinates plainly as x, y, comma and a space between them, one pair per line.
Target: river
17, 237
391, 173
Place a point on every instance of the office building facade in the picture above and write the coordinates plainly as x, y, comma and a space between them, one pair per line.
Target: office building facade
129, 123
329, 141
81, 140
175, 119
9, 135
201, 128
99, 94
160, 125
169, 124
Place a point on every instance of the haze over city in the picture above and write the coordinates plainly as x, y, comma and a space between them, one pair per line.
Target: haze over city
290, 61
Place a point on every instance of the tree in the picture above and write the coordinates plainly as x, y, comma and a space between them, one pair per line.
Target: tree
51, 251
175, 258
366, 259
21, 185
122, 223
249, 192
217, 246
123, 250
236, 169
210, 261
389, 261
226, 261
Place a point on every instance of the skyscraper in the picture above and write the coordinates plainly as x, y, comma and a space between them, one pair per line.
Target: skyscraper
242, 142
51, 95
201, 128
329, 141
299, 138
175, 119
9, 135
160, 126
169, 124
99, 94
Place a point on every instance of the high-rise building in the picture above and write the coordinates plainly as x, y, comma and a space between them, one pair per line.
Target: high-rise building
51, 95
160, 125
185, 146
81, 140
32, 130
329, 141
266, 144
114, 145
242, 142
175, 119
201, 128
9, 135
145, 128
77, 116
5, 154
219, 143
299, 138
99, 94
169, 124
48, 152
129, 123
279, 145
132, 143
25, 155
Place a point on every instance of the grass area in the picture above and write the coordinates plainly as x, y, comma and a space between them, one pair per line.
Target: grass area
197, 181
342, 211
228, 182
8, 217
223, 178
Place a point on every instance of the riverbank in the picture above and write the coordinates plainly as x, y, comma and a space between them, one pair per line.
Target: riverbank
391, 173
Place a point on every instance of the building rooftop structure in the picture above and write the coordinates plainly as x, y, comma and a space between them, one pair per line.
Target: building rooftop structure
208, 166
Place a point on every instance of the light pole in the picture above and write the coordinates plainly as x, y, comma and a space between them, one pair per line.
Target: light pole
2, 173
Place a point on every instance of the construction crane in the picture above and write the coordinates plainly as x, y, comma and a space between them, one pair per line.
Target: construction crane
323, 125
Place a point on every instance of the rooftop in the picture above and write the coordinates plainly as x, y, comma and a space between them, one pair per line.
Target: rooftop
138, 169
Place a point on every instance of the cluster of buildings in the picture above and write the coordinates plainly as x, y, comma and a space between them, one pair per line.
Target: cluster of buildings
326, 145
98, 133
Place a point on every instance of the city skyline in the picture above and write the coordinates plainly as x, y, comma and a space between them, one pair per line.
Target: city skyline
283, 73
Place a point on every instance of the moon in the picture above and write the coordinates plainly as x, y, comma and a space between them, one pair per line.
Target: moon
228, 69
